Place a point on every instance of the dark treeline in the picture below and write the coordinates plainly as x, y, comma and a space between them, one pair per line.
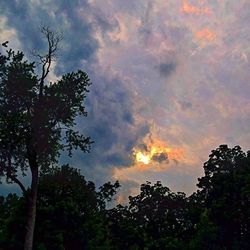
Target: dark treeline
72, 213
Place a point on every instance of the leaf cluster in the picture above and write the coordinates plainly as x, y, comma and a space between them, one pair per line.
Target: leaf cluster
35, 124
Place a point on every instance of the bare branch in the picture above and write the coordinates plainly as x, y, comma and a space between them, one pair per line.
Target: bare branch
53, 38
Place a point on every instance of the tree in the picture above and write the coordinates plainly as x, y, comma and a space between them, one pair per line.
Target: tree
70, 213
154, 219
206, 235
12, 219
225, 192
37, 119
65, 203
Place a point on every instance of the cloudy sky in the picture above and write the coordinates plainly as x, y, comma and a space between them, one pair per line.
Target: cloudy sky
170, 80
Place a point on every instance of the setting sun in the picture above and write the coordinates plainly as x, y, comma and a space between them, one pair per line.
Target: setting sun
140, 157
155, 153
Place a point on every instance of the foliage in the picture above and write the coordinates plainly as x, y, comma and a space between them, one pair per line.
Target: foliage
225, 191
72, 213
37, 119
33, 123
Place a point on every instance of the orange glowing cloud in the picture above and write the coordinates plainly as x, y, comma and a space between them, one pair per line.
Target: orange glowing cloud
205, 35
153, 158
187, 8
155, 151
150, 156
153, 155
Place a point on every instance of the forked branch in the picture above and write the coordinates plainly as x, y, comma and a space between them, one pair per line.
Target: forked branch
53, 39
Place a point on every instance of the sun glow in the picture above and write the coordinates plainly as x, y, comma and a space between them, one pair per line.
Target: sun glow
154, 153
141, 157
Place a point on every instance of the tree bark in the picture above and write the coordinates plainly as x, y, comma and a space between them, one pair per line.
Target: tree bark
31, 217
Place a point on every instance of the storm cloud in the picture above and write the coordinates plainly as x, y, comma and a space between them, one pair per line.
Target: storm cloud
68, 17
111, 103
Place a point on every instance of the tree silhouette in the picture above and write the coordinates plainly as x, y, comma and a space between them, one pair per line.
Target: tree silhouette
37, 119
225, 193
70, 213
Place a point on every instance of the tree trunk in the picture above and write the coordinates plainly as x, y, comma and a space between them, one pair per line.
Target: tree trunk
31, 217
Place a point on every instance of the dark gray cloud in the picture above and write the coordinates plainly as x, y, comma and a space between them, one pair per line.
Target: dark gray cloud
110, 104
161, 157
111, 124
166, 68
70, 17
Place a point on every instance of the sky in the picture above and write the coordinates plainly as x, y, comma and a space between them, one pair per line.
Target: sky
170, 81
